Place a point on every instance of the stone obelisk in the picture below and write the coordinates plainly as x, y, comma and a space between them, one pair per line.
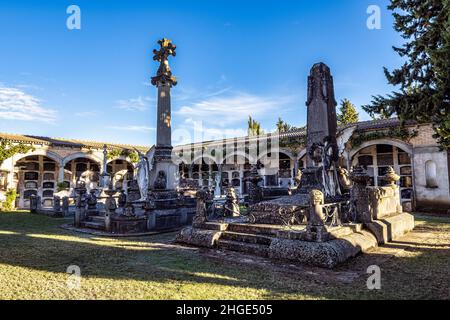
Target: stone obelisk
321, 146
164, 170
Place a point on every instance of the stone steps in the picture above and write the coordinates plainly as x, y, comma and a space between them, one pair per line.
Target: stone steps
98, 219
246, 238
254, 229
256, 249
342, 231
94, 225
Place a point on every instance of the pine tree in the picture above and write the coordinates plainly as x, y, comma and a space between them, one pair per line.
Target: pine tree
347, 113
424, 79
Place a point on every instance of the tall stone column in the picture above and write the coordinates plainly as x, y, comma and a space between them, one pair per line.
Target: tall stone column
163, 131
163, 176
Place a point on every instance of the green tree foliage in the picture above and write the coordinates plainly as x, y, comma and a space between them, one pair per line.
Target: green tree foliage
8, 204
254, 127
283, 126
347, 113
8, 149
126, 153
293, 143
423, 80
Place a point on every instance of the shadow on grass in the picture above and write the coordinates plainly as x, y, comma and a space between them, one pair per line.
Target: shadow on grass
37, 243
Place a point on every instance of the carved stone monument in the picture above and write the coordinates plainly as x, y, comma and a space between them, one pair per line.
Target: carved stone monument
104, 177
231, 206
164, 80
255, 194
322, 150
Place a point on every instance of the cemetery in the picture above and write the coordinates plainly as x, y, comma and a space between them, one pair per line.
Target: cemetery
301, 214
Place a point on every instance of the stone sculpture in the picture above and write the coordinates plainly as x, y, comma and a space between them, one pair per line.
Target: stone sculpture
201, 212
92, 200
122, 200
164, 74
344, 178
56, 205
298, 177
231, 206
161, 181
315, 229
80, 203
128, 210
143, 175
65, 206
255, 193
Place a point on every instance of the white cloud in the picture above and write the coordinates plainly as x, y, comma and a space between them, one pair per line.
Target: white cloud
86, 114
225, 110
134, 104
15, 104
223, 113
132, 128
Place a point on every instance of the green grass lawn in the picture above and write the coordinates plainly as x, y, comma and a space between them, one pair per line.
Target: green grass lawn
35, 254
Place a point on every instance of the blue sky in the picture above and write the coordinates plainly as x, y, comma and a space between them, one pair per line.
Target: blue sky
234, 58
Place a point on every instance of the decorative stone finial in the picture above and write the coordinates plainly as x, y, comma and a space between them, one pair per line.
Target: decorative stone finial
164, 74
391, 177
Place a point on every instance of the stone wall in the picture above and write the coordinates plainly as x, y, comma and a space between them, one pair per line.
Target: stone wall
431, 178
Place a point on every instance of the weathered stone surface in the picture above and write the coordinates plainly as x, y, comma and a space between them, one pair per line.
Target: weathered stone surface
322, 254
199, 237
288, 209
392, 227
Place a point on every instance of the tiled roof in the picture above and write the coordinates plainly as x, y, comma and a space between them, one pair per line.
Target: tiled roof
71, 143
363, 125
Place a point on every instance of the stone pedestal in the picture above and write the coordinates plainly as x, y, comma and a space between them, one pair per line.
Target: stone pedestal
359, 195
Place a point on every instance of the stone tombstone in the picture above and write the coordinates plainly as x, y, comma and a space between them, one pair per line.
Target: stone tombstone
110, 203
321, 119
255, 193
33, 203
322, 149
385, 201
92, 200
231, 206
65, 206
57, 204
80, 204
201, 211
134, 193
359, 196
128, 210
122, 200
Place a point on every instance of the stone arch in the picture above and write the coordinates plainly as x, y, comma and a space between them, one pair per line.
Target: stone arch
393, 142
76, 155
39, 152
239, 154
